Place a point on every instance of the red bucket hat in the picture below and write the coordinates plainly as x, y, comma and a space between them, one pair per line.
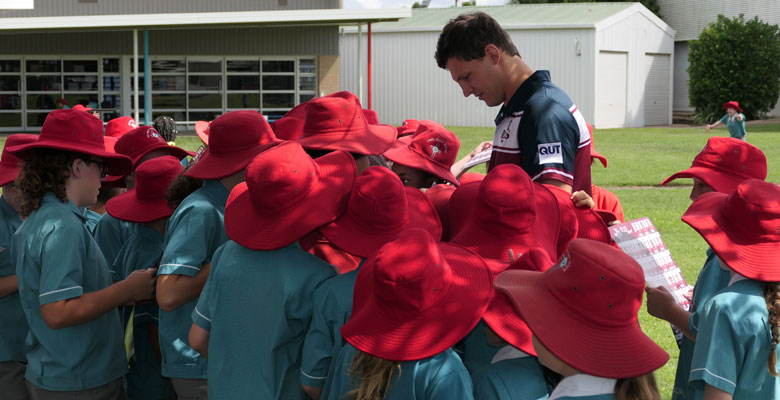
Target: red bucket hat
422, 213
505, 211
79, 107
75, 131
440, 195
146, 201
287, 195
743, 228
584, 310
11, 165
202, 129
408, 127
593, 153
119, 126
469, 177
238, 136
732, 104
500, 316
336, 123
724, 163
415, 298
431, 150
591, 224
290, 126
143, 140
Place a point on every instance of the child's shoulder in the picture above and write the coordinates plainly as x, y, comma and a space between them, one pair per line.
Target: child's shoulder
740, 303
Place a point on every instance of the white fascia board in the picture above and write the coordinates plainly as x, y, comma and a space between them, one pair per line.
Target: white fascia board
16, 5
325, 16
636, 8
517, 27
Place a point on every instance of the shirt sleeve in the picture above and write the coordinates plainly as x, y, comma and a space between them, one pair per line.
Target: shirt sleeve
204, 309
724, 119
718, 352
456, 384
62, 264
318, 346
485, 388
557, 143
191, 241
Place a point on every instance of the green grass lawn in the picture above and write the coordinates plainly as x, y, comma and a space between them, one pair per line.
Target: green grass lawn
639, 160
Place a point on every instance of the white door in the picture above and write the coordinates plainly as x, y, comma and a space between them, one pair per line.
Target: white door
656, 99
611, 92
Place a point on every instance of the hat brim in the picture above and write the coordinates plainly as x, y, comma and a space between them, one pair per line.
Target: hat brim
128, 207
8, 173
595, 154
743, 255
719, 181
405, 156
378, 331
422, 213
489, 243
174, 151
599, 350
732, 105
261, 229
118, 164
376, 139
202, 130
212, 165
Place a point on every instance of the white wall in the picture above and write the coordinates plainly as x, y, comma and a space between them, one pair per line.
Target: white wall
689, 17
409, 84
638, 36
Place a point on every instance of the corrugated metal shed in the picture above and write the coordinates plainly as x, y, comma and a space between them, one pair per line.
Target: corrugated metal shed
565, 39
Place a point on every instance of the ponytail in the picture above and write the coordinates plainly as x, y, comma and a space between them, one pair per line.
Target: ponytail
772, 297
375, 374
637, 388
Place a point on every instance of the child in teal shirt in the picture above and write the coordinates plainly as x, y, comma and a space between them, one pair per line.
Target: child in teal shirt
254, 343
734, 120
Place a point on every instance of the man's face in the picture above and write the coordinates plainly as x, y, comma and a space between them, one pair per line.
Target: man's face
478, 78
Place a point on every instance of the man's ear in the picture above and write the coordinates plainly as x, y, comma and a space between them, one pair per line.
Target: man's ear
493, 53
77, 168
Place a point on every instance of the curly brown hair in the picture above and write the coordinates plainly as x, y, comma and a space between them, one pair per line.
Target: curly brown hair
181, 187
44, 171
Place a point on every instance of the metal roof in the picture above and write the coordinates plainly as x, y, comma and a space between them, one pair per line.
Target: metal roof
525, 16
169, 20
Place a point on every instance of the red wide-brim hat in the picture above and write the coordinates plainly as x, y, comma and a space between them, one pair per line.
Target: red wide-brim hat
501, 317
254, 226
11, 165
78, 132
202, 130
605, 348
743, 228
462, 292
732, 104
405, 155
146, 202
718, 180
440, 195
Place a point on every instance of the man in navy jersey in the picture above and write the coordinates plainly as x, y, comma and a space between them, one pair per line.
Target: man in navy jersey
538, 128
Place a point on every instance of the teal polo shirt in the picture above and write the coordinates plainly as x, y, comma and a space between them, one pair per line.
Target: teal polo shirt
736, 127
91, 218
732, 344
111, 233
194, 232
57, 259
142, 250
712, 278
256, 306
442, 376
332, 308
475, 350
511, 378
13, 330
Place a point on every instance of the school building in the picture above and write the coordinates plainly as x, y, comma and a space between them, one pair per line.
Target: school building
196, 59
615, 60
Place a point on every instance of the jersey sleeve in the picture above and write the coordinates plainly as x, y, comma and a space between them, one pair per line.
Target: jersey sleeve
191, 241
557, 144
62, 261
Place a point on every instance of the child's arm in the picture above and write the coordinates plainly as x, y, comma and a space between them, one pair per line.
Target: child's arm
314, 393
199, 340
138, 286
457, 168
661, 304
8, 285
175, 290
713, 393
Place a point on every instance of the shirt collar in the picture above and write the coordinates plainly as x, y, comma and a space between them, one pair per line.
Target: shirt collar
736, 278
523, 93
508, 352
50, 198
217, 190
583, 385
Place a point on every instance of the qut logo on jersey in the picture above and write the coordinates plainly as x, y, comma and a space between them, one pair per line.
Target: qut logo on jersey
550, 153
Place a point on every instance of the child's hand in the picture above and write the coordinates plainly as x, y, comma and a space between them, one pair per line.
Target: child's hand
582, 200
660, 302
709, 127
739, 117
141, 284
480, 148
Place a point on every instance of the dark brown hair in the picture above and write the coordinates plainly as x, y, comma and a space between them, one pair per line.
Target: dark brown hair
772, 298
466, 36
44, 171
637, 388
181, 187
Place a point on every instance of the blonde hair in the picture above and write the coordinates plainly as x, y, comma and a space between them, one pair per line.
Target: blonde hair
772, 298
375, 375
638, 388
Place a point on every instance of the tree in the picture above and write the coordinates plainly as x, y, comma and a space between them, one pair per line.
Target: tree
469, 3
651, 5
416, 5
734, 59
